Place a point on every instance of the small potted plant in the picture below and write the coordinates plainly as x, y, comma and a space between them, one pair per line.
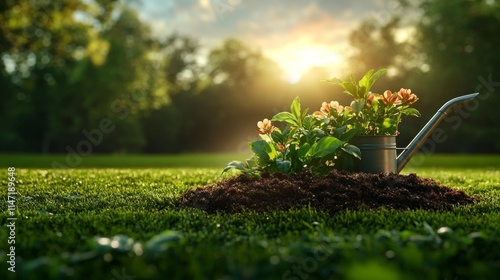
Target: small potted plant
336, 136
375, 118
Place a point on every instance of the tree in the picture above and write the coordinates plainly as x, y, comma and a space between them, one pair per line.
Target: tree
374, 46
75, 65
169, 127
125, 87
460, 42
40, 42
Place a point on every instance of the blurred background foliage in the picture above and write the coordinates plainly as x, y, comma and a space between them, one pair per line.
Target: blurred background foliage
67, 65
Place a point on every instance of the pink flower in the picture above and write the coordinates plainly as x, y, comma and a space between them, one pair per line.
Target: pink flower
265, 127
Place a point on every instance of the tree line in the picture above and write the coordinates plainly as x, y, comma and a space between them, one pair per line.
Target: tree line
102, 77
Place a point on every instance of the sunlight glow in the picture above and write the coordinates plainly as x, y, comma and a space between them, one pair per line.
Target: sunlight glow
404, 34
296, 60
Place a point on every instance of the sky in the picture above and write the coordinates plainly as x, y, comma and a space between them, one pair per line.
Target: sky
297, 34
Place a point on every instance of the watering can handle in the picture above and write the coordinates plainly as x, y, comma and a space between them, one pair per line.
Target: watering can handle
429, 127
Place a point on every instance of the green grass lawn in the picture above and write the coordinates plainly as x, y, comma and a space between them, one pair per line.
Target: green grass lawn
120, 161
123, 220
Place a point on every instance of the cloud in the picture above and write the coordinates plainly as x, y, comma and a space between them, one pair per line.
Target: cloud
281, 28
212, 20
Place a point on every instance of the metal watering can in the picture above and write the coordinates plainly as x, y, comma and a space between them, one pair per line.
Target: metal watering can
378, 152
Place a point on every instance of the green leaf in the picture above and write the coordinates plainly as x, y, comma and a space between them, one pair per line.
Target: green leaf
325, 146
411, 112
277, 130
332, 81
375, 77
319, 132
282, 117
287, 129
350, 89
251, 166
362, 92
295, 109
277, 136
353, 81
375, 105
283, 165
357, 106
361, 89
309, 122
349, 134
304, 113
352, 150
161, 242
261, 148
302, 151
236, 164
340, 130
365, 81
389, 126
285, 117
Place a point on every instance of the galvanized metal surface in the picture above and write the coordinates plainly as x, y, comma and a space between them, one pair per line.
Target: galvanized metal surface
378, 153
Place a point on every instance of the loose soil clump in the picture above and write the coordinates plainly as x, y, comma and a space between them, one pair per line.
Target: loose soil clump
337, 191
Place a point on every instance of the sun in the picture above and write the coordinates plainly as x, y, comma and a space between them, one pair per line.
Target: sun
296, 60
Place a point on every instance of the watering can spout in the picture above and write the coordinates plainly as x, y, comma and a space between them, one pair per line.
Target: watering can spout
429, 128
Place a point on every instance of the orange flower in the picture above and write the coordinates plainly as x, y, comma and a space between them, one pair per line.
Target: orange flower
335, 105
280, 147
319, 114
370, 99
406, 96
265, 127
390, 98
326, 108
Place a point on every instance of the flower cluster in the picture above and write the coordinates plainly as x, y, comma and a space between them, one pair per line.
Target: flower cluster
403, 96
319, 142
373, 113
333, 108
306, 142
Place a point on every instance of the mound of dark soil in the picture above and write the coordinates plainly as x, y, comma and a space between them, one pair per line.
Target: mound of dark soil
334, 192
